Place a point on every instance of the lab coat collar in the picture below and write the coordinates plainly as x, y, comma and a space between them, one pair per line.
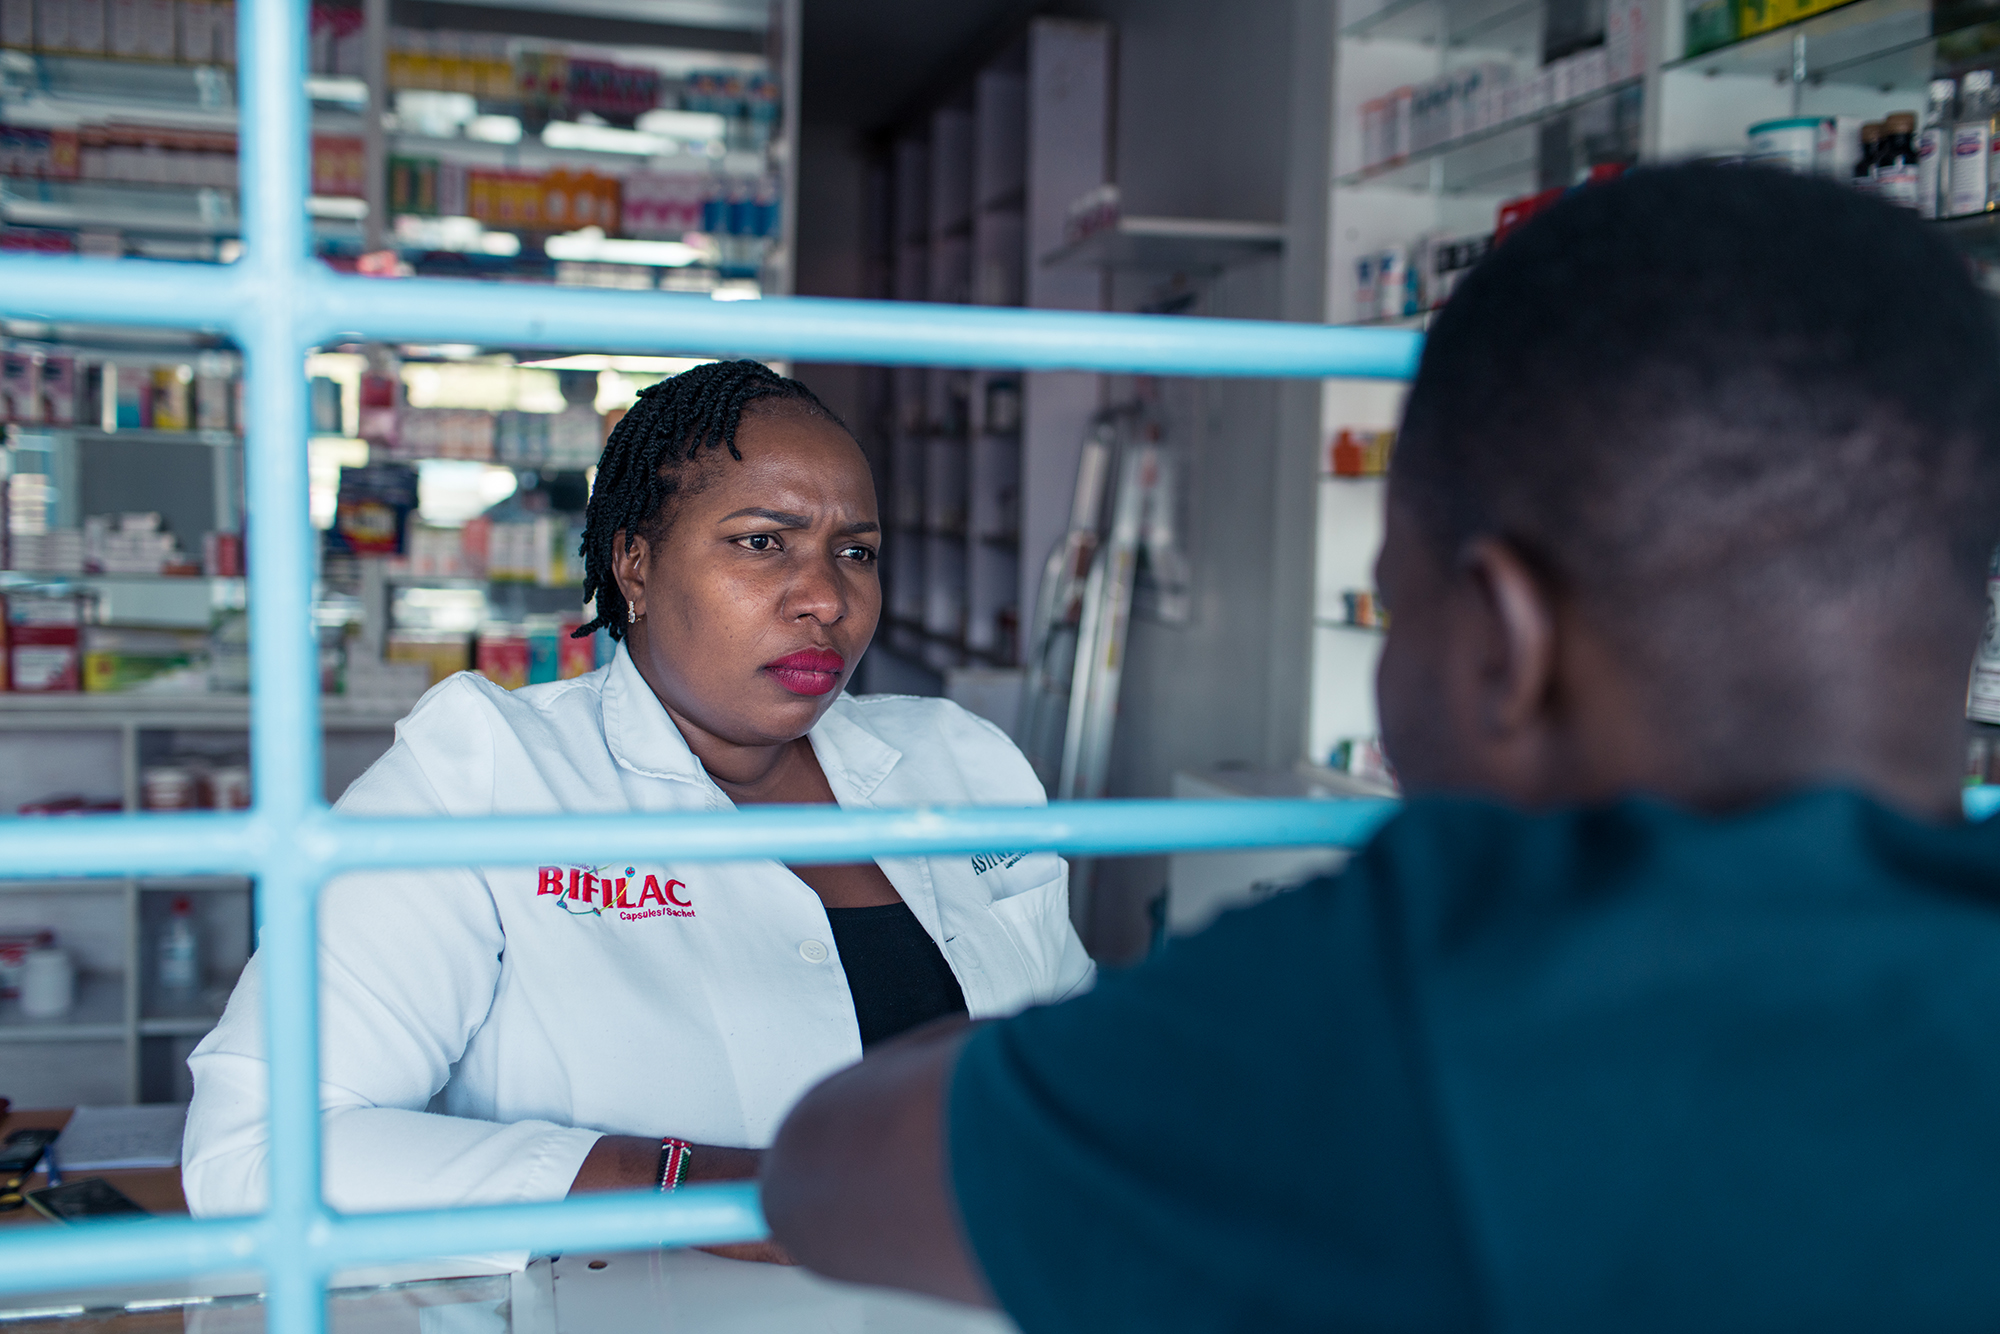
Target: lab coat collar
643, 738
637, 728
853, 758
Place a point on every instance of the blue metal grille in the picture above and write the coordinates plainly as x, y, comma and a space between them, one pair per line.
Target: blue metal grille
276, 303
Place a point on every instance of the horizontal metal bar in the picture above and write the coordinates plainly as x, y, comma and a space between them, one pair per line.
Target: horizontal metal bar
919, 333
221, 297
150, 292
222, 844
828, 834
691, 1216
187, 843
45, 1259
193, 844
111, 1251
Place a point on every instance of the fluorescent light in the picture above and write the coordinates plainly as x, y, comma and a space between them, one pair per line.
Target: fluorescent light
599, 361
337, 206
451, 491
740, 289
603, 139
692, 126
494, 129
464, 235
328, 88
592, 245
433, 115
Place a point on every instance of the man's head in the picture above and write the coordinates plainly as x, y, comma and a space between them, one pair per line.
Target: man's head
1695, 494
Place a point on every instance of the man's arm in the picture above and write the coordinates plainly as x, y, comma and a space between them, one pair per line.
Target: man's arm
858, 1185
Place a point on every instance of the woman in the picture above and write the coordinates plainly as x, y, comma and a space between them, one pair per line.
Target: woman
510, 1034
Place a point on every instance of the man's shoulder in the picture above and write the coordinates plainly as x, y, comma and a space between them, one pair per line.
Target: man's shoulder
1807, 848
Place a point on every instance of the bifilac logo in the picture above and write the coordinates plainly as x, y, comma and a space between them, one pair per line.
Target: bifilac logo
589, 892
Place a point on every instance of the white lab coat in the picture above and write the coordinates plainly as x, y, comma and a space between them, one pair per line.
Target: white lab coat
481, 1027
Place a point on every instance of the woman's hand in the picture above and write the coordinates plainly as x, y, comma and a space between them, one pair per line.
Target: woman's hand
631, 1162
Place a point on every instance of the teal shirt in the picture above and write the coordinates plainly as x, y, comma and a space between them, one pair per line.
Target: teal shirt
1627, 1069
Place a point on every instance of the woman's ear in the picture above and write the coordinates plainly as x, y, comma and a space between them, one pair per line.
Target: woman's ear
630, 557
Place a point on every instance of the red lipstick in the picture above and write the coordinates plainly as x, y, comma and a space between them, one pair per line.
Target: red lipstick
810, 671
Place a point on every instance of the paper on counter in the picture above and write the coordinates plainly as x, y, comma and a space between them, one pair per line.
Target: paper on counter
106, 1139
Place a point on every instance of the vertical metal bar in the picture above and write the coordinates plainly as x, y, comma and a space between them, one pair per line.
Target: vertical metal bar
293, 1278
284, 700
1799, 70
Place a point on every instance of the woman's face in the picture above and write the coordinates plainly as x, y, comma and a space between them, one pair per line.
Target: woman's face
762, 594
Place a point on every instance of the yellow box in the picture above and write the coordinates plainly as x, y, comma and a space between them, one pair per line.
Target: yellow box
442, 654
1755, 16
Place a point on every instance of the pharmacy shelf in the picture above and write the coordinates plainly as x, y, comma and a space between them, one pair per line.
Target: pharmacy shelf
1172, 245
22, 711
1340, 785
1489, 25
166, 602
531, 154
99, 1014
192, 1027
163, 1015
51, 92
134, 435
1848, 38
1419, 321
1977, 234
106, 207
1471, 161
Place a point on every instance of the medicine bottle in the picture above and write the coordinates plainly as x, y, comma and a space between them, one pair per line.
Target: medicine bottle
1896, 164
1934, 148
1971, 145
1871, 148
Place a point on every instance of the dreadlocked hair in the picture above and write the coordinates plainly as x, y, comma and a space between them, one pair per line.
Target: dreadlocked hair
646, 459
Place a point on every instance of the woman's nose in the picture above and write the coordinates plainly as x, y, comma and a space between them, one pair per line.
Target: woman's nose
817, 593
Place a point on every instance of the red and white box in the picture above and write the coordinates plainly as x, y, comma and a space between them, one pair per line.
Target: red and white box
14, 947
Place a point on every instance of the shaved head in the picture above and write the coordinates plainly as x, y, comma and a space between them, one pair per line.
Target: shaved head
1741, 430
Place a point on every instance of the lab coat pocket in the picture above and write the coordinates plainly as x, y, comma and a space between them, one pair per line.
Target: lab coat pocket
1036, 922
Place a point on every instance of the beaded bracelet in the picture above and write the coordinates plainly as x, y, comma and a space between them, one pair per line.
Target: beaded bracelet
674, 1156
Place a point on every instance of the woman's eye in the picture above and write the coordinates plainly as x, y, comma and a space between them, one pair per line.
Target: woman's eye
759, 542
865, 555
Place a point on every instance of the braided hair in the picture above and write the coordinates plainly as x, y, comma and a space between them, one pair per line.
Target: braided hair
646, 459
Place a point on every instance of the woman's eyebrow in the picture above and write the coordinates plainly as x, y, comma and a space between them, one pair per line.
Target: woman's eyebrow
865, 526
775, 516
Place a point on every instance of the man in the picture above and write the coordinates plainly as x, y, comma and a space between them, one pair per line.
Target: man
1672, 1000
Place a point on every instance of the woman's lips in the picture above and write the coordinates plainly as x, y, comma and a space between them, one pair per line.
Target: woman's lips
810, 671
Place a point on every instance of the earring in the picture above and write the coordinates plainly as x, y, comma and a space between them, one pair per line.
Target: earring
638, 616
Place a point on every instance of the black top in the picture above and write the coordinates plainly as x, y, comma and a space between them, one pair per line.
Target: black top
1630, 1069
894, 969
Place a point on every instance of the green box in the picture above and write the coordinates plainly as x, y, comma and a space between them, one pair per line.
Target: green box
1710, 24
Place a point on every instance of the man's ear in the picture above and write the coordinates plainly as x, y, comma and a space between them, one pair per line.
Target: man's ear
629, 559
1517, 641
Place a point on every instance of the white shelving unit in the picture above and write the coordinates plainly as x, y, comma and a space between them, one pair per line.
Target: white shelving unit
1863, 59
956, 232
177, 217
124, 1040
